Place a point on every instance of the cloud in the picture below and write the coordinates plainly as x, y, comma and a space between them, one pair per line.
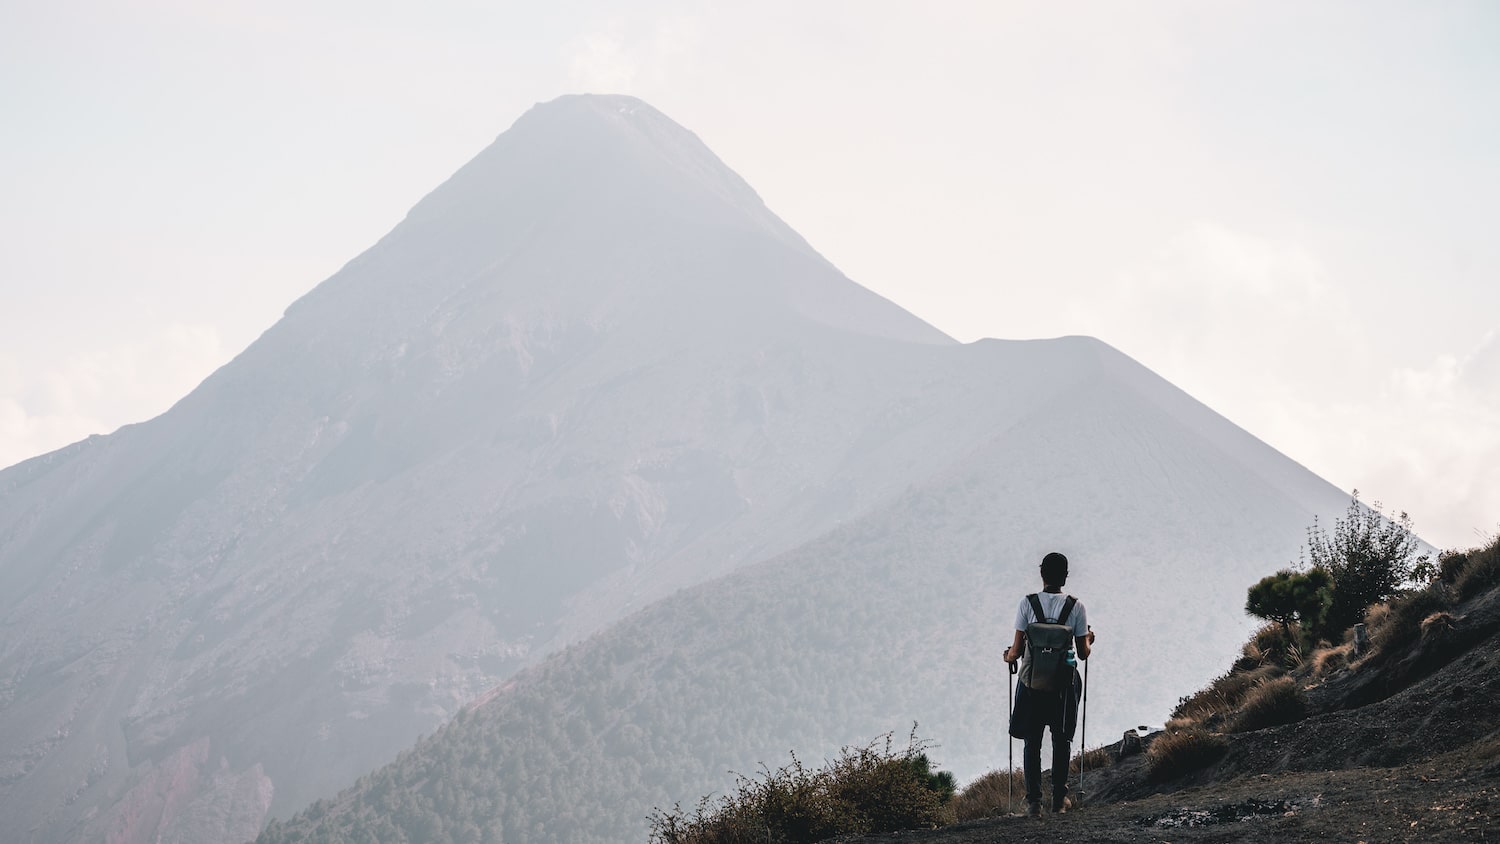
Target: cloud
1442, 425
46, 407
1228, 315
614, 58
599, 63
1260, 331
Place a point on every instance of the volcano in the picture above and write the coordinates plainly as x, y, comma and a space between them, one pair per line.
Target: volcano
588, 372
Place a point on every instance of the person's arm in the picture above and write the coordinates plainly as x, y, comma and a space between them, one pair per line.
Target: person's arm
1016, 647
1084, 644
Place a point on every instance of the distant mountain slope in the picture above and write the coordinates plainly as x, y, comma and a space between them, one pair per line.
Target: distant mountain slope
897, 616
588, 371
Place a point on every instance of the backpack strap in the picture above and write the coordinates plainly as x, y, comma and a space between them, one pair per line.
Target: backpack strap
1067, 609
1036, 608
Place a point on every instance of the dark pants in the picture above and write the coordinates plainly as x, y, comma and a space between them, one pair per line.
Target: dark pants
1057, 713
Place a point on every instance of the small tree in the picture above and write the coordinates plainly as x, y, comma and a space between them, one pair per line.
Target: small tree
1288, 596
1371, 558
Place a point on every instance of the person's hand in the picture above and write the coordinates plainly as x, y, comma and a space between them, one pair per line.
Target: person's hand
1011, 655
1090, 636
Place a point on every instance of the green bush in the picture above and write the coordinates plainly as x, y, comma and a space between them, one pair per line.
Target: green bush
866, 790
1174, 754
1371, 558
1270, 703
1291, 596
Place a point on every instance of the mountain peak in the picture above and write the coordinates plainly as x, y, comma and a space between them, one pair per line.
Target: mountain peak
617, 107
605, 148
603, 200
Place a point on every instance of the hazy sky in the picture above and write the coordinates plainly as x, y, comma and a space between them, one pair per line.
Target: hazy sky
1288, 209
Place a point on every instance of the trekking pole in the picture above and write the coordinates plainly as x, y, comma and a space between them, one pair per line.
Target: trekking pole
1084, 742
1010, 742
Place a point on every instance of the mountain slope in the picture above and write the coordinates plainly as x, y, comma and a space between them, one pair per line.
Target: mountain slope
573, 361
895, 617
588, 371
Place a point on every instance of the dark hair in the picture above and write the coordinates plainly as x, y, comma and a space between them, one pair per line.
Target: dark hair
1054, 569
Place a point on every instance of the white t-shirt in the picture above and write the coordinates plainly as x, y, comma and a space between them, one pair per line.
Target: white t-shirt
1052, 603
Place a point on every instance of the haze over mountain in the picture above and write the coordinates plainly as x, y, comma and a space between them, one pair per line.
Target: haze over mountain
589, 370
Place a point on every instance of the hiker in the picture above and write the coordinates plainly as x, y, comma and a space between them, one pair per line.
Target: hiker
1047, 696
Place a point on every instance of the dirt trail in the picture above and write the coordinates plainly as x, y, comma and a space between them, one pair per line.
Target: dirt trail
1427, 802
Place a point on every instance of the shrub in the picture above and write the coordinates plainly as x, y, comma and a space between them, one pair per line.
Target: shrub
865, 790
1376, 617
988, 795
1438, 624
1328, 660
1180, 723
1291, 596
1223, 694
1402, 620
1371, 557
1090, 760
1451, 565
1269, 704
885, 793
1174, 754
1481, 573
1273, 644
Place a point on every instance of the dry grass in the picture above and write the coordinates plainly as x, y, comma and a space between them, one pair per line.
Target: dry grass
1091, 760
1224, 694
1438, 624
1325, 661
1272, 641
1174, 754
987, 796
1271, 703
1294, 659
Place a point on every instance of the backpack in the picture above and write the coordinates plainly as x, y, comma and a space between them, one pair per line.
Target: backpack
1046, 667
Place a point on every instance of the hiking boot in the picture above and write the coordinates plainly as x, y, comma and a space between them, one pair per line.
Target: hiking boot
1060, 807
1034, 809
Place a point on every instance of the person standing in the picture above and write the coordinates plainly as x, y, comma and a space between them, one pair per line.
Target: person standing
1047, 702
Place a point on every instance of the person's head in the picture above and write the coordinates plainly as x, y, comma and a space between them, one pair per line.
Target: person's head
1055, 570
